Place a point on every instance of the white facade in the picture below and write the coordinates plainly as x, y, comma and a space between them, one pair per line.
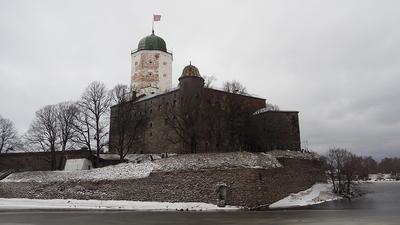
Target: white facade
78, 164
151, 71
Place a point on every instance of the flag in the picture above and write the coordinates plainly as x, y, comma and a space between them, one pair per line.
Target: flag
156, 17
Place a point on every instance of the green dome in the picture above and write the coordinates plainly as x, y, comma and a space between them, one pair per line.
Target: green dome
152, 42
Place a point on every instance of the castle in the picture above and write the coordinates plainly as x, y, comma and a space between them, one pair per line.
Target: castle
192, 118
157, 120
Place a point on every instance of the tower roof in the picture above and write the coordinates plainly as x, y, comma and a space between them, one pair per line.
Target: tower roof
152, 42
190, 71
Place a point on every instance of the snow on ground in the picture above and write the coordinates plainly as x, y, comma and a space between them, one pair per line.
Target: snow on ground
217, 160
116, 172
294, 154
23, 203
318, 193
381, 177
143, 169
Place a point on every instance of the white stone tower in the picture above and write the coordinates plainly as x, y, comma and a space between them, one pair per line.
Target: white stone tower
151, 71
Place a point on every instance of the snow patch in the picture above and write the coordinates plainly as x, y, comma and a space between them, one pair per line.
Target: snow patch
318, 193
23, 203
382, 177
115, 172
141, 170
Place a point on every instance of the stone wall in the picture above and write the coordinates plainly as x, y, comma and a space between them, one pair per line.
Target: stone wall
245, 187
276, 130
38, 161
211, 106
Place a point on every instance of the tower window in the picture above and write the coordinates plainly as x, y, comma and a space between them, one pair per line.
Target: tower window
151, 124
164, 75
164, 63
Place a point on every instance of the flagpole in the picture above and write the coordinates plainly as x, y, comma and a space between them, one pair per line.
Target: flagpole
152, 26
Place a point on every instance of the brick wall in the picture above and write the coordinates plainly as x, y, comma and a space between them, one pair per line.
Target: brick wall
38, 161
213, 105
276, 130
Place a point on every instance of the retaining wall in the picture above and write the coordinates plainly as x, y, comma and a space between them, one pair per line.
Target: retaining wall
245, 187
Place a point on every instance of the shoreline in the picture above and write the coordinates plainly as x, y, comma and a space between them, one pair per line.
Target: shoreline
9, 204
317, 194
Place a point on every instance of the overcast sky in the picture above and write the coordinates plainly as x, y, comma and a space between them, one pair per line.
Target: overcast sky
337, 62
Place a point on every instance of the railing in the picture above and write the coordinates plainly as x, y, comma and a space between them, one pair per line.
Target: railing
136, 50
5, 173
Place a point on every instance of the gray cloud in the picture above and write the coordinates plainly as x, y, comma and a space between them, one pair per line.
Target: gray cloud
336, 62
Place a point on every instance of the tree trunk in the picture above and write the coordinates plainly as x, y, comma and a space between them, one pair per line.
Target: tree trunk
97, 142
53, 157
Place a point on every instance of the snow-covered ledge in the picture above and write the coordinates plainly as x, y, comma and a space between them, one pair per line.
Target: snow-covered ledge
318, 193
23, 203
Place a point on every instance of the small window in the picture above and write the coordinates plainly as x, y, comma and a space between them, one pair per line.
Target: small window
151, 134
164, 75
150, 62
151, 124
136, 63
151, 110
166, 121
164, 63
150, 74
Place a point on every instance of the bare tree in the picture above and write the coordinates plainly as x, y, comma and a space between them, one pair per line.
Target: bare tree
127, 123
66, 117
234, 87
390, 165
120, 94
335, 163
95, 104
43, 131
342, 168
271, 107
183, 118
351, 166
8, 134
209, 80
82, 129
